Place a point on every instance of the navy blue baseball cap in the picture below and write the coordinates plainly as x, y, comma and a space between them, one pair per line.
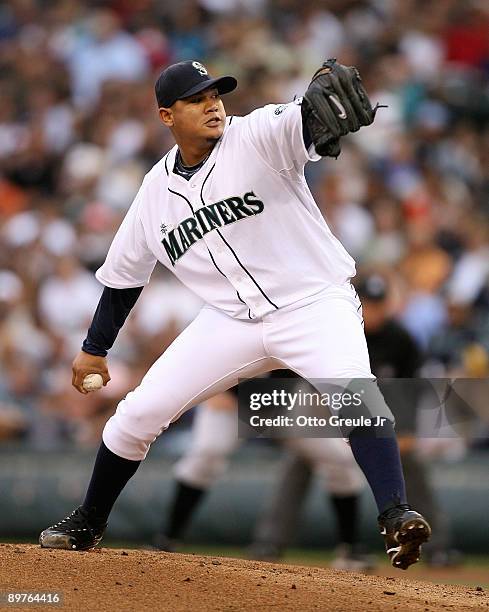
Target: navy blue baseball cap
185, 79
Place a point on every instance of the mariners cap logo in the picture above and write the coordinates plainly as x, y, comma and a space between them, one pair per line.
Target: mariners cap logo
198, 66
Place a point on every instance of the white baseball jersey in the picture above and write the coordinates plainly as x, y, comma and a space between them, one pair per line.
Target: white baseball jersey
244, 233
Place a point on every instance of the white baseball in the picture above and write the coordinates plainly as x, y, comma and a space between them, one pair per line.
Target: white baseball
93, 382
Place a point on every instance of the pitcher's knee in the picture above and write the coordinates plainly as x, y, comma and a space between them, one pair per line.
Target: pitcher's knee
136, 424
126, 444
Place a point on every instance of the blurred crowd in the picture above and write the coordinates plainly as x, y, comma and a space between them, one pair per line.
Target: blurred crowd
408, 197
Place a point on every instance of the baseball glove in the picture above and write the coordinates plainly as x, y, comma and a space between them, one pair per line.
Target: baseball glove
335, 104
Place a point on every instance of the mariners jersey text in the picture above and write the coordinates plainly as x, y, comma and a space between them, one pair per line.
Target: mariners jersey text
206, 219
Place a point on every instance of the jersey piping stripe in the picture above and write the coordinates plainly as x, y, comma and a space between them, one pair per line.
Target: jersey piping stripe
231, 249
248, 273
166, 160
219, 270
237, 292
204, 182
210, 254
183, 198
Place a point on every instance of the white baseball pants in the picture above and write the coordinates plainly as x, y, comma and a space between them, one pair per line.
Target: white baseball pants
318, 337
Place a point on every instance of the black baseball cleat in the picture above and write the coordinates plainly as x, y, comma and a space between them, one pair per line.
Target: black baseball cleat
78, 531
404, 532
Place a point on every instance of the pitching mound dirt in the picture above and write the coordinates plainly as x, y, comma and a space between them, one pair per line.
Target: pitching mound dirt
112, 580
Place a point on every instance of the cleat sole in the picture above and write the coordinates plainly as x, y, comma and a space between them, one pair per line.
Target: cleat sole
56, 541
63, 542
410, 537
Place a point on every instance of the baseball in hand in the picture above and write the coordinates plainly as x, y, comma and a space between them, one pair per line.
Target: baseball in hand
93, 382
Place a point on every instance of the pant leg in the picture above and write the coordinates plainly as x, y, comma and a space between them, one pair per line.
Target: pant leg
324, 339
207, 357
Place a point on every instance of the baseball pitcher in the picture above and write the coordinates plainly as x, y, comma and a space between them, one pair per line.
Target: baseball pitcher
229, 212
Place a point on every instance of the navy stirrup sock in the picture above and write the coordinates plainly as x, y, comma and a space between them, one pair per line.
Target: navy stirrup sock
380, 461
110, 475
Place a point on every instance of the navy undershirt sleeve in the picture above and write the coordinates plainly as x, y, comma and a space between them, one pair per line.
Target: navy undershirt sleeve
112, 311
306, 135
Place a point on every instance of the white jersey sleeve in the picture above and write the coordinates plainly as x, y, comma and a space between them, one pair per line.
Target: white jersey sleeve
276, 133
129, 262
